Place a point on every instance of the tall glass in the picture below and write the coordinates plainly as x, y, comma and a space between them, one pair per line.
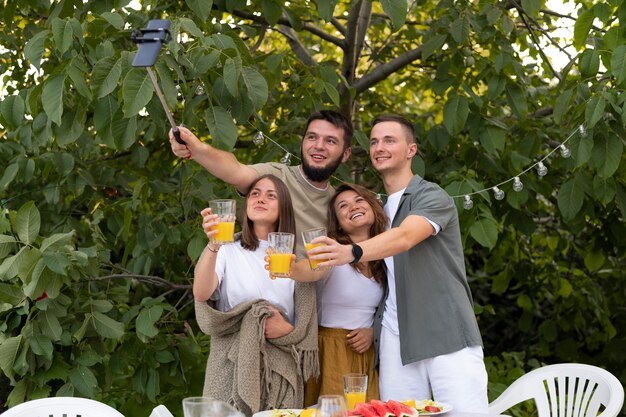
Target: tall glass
355, 389
332, 406
280, 251
225, 210
307, 237
208, 407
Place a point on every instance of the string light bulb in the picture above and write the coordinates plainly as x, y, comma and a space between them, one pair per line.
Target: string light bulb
286, 160
582, 131
258, 138
565, 152
498, 193
542, 170
379, 197
517, 184
468, 204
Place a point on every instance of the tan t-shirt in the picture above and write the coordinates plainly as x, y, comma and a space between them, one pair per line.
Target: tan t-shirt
310, 204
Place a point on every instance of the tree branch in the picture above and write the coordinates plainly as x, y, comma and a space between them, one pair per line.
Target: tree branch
149, 279
297, 47
283, 21
357, 28
383, 71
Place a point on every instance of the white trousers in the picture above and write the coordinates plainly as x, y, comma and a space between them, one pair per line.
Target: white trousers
458, 379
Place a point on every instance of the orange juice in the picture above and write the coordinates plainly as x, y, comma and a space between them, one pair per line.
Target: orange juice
225, 232
353, 398
313, 263
280, 264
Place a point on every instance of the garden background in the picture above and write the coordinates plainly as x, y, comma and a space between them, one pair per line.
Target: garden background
100, 227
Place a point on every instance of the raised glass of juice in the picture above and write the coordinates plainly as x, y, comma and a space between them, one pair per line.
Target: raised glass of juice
354, 389
307, 237
225, 209
280, 251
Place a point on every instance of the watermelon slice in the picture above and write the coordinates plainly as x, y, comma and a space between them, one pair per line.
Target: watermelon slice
401, 410
381, 408
365, 409
354, 413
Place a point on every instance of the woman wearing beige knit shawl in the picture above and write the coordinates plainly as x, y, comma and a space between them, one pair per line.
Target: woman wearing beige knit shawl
263, 332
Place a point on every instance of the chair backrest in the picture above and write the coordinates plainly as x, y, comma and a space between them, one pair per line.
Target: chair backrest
565, 390
62, 407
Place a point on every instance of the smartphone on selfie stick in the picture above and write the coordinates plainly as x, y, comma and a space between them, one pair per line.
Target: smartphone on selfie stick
149, 41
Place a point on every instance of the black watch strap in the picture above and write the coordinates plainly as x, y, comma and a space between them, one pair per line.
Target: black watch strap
357, 252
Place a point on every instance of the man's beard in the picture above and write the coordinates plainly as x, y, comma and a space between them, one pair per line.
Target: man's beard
320, 174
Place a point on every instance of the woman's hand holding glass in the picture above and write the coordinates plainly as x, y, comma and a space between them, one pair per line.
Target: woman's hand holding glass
328, 252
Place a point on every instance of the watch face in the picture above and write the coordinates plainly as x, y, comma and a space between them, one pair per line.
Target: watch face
357, 252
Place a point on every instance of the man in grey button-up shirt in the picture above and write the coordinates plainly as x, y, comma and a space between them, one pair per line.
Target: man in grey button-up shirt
428, 338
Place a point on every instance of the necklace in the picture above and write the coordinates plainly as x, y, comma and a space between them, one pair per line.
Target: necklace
309, 182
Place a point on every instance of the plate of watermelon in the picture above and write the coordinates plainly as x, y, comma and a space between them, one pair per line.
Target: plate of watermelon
429, 407
389, 408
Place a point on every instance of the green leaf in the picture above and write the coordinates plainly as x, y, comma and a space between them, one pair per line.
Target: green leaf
326, 8
63, 162
84, 381
221, 126
56, 241
12, 110
106, 75
570, 199
146, 320
10, 294
582, 28
124, 132
117, 21
57, 262
7, 244
28, 222
105, 326
608, 154
594, 111
455, 113
42, 346
232, 70
524, 302
460, 29
396, 10
594, 260
50, 325
485, 232
35, 48
8, 176
517, 101
256, 87
202, 8
9, 349
562, 105
52, 97
62, 34
137, 90
11, 265
618, 64
496, 86
332, 93
271, 11
493, 138
589, 63
431, 45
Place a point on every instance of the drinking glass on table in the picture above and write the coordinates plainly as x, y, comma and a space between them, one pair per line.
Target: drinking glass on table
307, 237
280, 250
355, 389
225, 210
332, 406
208, 407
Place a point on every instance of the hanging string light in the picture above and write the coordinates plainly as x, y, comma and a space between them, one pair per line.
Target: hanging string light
467, 202
286, 160
517, 184
259, 138
541, 169
565, 152
498, 194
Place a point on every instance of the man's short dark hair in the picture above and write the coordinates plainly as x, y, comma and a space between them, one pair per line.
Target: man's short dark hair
336, 119
403, 121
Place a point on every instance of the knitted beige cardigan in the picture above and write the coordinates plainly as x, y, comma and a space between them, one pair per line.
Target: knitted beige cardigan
254, 373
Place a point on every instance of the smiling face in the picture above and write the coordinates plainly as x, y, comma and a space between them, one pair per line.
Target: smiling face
390, 147
263, 204
322, 150
354, 213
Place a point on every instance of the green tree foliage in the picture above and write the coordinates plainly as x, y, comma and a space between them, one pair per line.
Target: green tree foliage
101, 226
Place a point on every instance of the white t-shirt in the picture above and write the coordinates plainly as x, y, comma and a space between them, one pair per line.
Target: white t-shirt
242, 277
347, 299
390, 317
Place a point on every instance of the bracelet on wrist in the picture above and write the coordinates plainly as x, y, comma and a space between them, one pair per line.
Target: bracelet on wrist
211, 249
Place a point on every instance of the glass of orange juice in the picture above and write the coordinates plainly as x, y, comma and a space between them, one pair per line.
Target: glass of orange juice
354, 389
280, 251
307, 237
225, 209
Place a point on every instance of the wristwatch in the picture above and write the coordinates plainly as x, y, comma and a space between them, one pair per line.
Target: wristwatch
357, 252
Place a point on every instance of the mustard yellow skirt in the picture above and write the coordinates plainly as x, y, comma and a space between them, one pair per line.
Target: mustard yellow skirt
336, 359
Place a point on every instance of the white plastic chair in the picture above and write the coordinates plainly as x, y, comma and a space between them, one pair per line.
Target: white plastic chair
565, 390
161, 411
62, 407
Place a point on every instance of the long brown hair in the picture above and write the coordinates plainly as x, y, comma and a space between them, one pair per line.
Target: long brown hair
377, 267
286, 219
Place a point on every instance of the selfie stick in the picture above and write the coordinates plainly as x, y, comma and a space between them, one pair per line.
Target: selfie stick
149, 41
